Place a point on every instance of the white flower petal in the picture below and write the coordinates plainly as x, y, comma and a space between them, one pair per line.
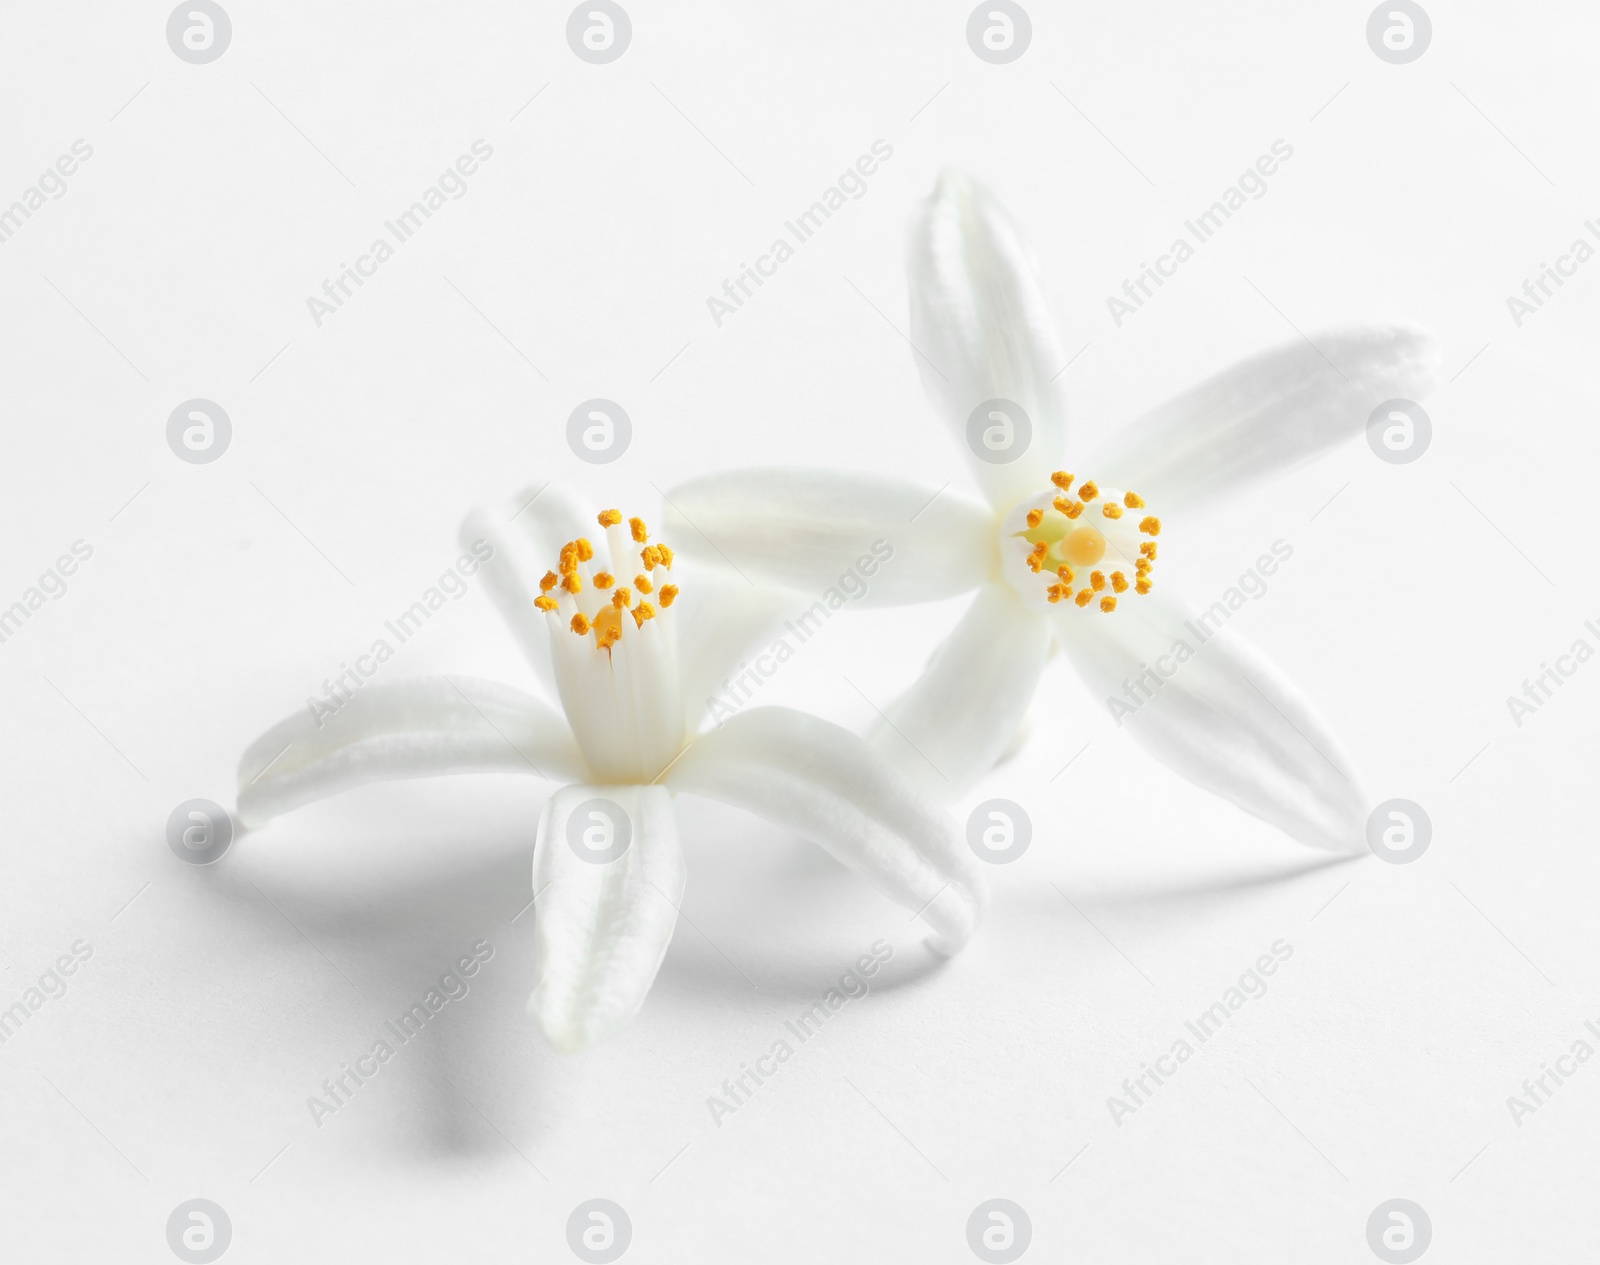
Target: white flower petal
721, 619
963, 713
601, 926
824, 781
1272, 411
1220, 714
526, 534
811, 530
402, 729
981, 331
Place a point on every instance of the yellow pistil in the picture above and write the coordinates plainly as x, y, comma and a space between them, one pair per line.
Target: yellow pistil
642, 584
1133, 500
1088, 491
607, 626
639, 533
1108, 604
610, 518
669, 594
1111, 509
1084, 545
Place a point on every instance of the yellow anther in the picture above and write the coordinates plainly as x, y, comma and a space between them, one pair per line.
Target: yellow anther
620, 598
1064, 574
1141, 585
580, 623
551, 579
1059, 591
1062, 480
1142, 566
651, 557
1036, 558
585, 549
610, 518
572, 582
603, 580
1097, 580
545, 603
642, 584
1108, 604
642, 612
1084, 545
639, 533
1119, 582
607, 625
1151, 526
669, 594
1148, 549
1133, 500
1035, 517
1085, 596
666, 556
1070, 508
1088, 491
1111, 509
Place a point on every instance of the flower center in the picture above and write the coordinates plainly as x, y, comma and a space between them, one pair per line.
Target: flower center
615, 653
1079, 545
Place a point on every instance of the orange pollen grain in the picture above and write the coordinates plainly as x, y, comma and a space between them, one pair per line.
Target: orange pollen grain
604, 580
1085, 596
1119, 582
1142, 585
545, 603
1108, 604
585, 550
620, 598
1111, 509
580, 623
1062, 480
1151, 526
1133, 500
1064, 574
642, 584
642, 612
666, 556
1097, 580
572, 582
610, 518
669, 594
1035, 517
639, 533
551, 579
1088, 491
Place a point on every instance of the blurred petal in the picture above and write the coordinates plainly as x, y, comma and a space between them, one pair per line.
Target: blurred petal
825, 782
601, 926
981, 331
1268, 413
807, 530
402, 729
1215, 710
963, 713
526, 534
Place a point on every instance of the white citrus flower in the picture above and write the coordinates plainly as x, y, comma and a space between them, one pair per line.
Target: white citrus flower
632, 662
1064, 554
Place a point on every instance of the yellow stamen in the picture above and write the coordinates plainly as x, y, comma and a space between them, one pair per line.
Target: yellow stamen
639, 533
603, 580
585, 549
1108, 604
580, 623
1064, 574
642, 612
1036, 558
1111, 509
1085, 596
1035, 517
1133, 500
642, 584
666, 556
551, 579
610, 518
620, 598
1119, 582
651, 557
1148, 548
1097, 579
572, 582
669, 594
1070, 508
545, 603
1062, 480
1151, 526
608, 626
1141, 585
1088, 491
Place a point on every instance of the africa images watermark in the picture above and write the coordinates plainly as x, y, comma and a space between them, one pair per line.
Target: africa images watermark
339, 1088
1538, 1090
851, 586
451, 185
1251, 586
738, 1090
852, 182
450, 586
1541, 689
50, 586
1252, 183
52, 983
1536, 289
1137, 1090
52, 184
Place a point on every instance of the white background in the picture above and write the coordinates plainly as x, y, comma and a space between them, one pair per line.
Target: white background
178, 264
